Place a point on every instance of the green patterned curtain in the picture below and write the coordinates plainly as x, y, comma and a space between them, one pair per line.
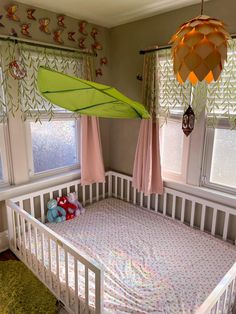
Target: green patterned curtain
32, 103
23, 94
174, 98
8, 88
221, 95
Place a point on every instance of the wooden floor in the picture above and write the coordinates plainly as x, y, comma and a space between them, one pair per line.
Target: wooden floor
7, 255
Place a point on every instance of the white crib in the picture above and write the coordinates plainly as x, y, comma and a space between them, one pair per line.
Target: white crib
26, 216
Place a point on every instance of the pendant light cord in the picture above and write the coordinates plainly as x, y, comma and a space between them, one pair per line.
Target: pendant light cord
202, 7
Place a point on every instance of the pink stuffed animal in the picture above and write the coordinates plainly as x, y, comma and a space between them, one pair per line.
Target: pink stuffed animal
72, 198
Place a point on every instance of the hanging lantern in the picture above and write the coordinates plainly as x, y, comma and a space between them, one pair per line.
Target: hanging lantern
188, 121
199, 49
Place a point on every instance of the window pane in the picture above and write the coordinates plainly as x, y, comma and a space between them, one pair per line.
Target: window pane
223, 158
172, 147
54, 144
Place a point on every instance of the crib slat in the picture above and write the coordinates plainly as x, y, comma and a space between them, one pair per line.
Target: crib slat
51, 194
192, 214
97, 192
86, 290
156, 202
213, 227
83, 194
164, 204
42, 209
226, 224
110, 185
149, 202
50, 261
36, 247
141, 199
76, 286
24, 238
134, 197
203, 215
173, 206
18, 231
103, 190
182, 210
67, 279
116, 186
122, 189
90, 193
225, 301
128, 190
30, 244
42, 252
58, 269
32, 207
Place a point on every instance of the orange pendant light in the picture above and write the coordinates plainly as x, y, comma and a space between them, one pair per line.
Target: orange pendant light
199, 49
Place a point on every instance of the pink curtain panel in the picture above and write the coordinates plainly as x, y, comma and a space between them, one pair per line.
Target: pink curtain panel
147, 167
92, 168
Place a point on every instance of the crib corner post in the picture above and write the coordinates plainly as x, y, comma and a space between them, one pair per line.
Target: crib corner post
109, 184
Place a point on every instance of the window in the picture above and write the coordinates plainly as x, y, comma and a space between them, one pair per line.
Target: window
53, 145
174, 151
220, 155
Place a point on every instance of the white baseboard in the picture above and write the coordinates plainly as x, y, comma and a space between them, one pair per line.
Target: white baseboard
4, 244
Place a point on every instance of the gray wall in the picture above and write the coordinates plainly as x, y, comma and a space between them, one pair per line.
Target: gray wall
126, 41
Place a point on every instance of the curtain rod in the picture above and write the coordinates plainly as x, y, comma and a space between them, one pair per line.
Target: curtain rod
155, 48
46, 45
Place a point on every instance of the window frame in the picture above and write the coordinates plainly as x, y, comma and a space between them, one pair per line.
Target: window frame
207, 160
171, 175
60, 170
5, 155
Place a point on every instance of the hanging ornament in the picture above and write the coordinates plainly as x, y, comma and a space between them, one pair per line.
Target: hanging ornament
103, 61
60, 21
25, 29
30, 15
188, 121
199, 49
57, 36
1, 25
81, 43
17, 70
43, 25
71, 36
82, 26
11, 13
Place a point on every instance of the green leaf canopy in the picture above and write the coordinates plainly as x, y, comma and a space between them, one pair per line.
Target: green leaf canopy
86, 97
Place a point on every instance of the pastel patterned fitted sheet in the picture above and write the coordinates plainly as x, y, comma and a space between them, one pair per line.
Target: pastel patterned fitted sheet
152, 264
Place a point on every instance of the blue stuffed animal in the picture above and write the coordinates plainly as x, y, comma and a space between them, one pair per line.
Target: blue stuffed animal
55, 213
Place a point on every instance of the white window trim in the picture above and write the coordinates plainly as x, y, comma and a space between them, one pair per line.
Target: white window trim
207, 161
35, 176
171, 175
5, 155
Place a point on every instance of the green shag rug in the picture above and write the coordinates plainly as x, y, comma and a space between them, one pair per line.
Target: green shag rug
22, 293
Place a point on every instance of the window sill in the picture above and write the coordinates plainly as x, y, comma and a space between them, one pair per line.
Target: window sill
38, 184
203, 192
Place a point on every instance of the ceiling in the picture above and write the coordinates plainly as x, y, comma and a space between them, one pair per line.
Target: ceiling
110, 13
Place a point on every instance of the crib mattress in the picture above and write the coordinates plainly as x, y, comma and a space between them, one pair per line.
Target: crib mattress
152, 264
